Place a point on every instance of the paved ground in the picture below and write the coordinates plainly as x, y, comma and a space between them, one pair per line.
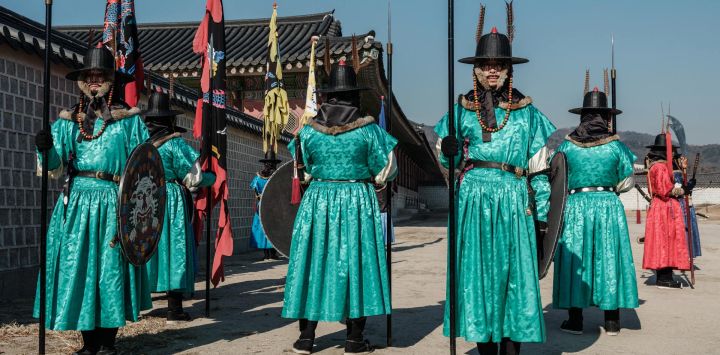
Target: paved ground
246, 311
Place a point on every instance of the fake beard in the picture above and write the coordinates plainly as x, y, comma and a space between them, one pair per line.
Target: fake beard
482, 79
100, 92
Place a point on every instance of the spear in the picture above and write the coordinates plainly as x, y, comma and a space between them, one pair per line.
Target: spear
44, 182
388, 192
613, 77
452, 255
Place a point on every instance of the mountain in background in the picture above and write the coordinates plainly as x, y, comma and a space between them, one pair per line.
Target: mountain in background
709, 153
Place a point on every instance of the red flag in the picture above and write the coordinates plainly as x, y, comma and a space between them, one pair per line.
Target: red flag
120, 36
210, 125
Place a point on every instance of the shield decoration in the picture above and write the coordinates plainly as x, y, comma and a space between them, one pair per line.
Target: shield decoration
277, 214
547, 241
141, 204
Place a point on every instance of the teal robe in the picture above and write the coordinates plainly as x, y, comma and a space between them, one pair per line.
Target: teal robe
337, 257
89, 283
594, 262
498, 294
172, 268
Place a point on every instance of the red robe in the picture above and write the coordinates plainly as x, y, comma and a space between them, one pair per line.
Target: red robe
665, 243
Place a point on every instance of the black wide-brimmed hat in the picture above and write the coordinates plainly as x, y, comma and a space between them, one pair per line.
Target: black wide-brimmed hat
99, 59
159, 106
660, 143
595, 100
342, 78
493, 46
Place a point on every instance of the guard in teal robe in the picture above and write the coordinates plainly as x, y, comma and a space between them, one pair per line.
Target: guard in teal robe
172, 268
594, 262
503, 139
259, 240
337, 265
90, 286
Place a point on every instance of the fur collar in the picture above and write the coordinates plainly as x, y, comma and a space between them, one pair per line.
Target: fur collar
360, 122
468, 105
162, 140
596, 143
117, 114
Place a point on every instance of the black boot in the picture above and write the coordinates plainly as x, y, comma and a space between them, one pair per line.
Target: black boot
90, 343
175, 312
509, 347
107, 341
304, 344
274, 254
574, 324
612, 322
355, 343
665, 279
488, 348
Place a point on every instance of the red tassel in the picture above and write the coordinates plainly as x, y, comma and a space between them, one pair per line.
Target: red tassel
296, 196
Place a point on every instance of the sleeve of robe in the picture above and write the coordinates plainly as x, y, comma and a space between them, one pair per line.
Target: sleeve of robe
538, 159
304, 153
186, 165
381, 159
626, 158
442, 131
59, 154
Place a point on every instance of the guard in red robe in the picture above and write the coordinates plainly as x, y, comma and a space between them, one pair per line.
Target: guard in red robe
666, 246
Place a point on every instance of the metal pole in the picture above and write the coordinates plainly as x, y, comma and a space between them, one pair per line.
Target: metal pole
613, 76
207, 140
44, 182
452, 252
388, 192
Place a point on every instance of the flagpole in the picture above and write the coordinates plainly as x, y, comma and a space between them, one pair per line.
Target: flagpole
613, 77
388, 192
44, 182
207, 141
451, 175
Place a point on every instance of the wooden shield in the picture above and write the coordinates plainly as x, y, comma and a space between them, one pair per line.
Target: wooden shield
141, 204
547, 241
277, 214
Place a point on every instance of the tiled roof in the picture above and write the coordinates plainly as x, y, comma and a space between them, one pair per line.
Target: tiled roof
23, 33
246, 42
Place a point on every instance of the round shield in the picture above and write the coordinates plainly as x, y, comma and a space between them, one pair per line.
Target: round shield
277, 214
547, 244
141, 204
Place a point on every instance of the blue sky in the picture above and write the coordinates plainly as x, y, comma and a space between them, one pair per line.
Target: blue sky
665, 50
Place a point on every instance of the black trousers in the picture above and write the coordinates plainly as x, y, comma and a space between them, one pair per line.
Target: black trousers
355, 328
507, 347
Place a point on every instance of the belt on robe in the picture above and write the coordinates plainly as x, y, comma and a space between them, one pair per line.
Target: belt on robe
592, 189
354, 180
518, 171
99, 175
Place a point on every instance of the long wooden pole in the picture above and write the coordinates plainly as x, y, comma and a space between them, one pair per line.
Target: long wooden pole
688, 225
207, 141
44, 182
388, 189
452, 224
613, 80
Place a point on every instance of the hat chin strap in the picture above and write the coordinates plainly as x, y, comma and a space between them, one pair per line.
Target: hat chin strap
482, 79
101, 91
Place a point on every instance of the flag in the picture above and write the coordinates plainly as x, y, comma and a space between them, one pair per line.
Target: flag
276, 110
679, 130
381, 119
311, 108
210, 124
121, 37
669, 152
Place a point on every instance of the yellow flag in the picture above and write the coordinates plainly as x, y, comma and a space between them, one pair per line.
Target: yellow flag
277, 109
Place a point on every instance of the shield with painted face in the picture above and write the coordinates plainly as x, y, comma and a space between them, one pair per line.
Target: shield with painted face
141, 204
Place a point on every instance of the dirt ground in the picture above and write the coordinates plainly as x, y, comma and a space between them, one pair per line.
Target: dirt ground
245, 311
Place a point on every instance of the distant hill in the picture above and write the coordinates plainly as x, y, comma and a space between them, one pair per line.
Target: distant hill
709, 153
